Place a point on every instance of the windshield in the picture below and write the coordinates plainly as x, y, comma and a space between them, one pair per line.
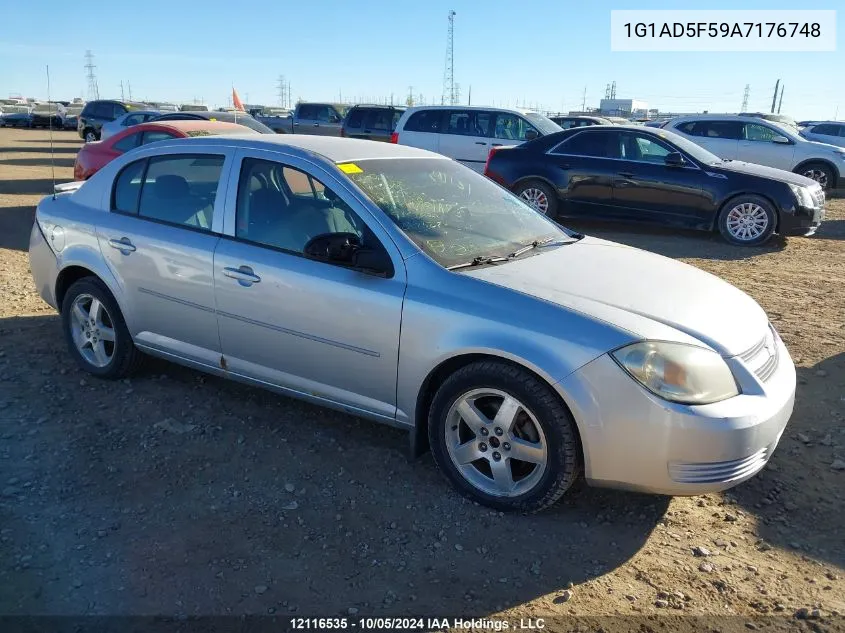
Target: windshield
15, 109
452, 213
542, 123
688, 147
46, 107
74, 110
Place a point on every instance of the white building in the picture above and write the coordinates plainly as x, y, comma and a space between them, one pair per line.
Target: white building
623, 107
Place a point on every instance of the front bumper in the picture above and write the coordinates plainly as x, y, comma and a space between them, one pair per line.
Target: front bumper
805, 221
634, 440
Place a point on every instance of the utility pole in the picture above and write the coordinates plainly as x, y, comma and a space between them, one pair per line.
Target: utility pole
130, 89
410, 100
469, 96
775, 96
584, 100
745, 98
780, 102
122, 98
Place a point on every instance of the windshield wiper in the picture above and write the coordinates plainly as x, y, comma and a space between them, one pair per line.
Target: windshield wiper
479, 261
535, 244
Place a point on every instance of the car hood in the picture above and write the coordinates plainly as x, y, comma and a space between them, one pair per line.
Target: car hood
753, 169
647, 294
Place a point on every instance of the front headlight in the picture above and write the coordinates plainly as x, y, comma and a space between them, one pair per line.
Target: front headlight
802, 195
678, 372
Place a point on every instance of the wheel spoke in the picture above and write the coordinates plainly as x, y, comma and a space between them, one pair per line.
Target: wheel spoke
468, 452
106, 333
79, 314
79, 339
502, 475
507, 413
100, 353
94, 310
471, 416
527, 451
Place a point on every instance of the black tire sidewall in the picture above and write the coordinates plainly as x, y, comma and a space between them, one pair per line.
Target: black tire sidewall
821, 167
551, 196
557, 424
758, 200
124, 347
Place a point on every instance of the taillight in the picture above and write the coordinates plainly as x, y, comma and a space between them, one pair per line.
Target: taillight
489, 156
394, 138
342, 132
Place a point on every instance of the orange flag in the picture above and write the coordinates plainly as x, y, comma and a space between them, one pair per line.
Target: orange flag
236, 100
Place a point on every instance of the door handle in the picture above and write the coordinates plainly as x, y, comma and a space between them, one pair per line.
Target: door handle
316, 125
123, 245
243, 275
480, 143
368, 131
626, 174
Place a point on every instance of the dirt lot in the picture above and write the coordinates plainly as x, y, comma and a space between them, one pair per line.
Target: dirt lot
177, 493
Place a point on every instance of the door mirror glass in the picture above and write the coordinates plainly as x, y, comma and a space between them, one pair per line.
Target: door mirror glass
373, 260
780, 139
530, 135
675, 159
337, 248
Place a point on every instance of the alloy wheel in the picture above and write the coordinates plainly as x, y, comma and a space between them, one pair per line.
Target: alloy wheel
536, 198
90, 137
818, 175
496, 443
747, 221
92, 330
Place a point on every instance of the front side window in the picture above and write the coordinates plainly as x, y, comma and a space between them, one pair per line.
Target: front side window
133, 119
643, 148
512, 127
181, 190
826, 128
283, 207
452, 213
761, 133
307, 112
128, 142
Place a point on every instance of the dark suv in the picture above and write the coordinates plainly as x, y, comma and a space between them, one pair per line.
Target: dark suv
95, 113
371, 122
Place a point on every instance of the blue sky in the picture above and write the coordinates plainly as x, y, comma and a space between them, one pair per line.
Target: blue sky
537, 52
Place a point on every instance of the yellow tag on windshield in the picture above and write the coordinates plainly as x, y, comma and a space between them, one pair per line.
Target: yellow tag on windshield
350, 168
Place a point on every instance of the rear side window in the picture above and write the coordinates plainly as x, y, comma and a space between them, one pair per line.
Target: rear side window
598, 144
715, 129
381, 120
826, 128
176, 189
356, 118
424, 121
469, 123
127, 143
127, 187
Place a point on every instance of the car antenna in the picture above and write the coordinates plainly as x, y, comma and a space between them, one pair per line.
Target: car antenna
50, 126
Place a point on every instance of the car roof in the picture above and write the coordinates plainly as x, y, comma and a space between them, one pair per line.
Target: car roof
468, 107
190, 125
332, 148
721, 117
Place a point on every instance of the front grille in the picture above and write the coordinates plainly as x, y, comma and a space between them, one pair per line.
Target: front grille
762, 358
818, 197
715, 472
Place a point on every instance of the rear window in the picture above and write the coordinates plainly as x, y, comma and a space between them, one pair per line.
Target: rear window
356, 118
424, 121
826, 128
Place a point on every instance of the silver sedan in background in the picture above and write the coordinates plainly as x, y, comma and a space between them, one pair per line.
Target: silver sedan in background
398, 285
133, 117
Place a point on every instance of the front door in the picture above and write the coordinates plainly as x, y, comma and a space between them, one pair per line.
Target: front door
466, 137
757, 146
646, 189
324, 331
159, 242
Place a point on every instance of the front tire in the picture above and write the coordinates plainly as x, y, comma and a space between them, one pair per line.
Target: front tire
95, 331
90, 136
747, 220
819, 172
538, 195
503, 437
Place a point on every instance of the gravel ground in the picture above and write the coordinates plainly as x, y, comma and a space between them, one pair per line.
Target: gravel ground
178, 493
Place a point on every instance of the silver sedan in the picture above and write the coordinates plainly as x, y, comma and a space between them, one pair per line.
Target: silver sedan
133, 117
395, 284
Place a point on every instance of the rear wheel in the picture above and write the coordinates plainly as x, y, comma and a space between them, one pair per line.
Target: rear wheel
538, 195
747, 220
90, 135
819, 172
503, 437
96, 333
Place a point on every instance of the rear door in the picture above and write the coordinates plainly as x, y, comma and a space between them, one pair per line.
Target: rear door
757, 145
467, 136
159, 240
586, 160
422, 129
719, 137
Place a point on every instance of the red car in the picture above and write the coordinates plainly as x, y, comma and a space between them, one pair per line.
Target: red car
94, 156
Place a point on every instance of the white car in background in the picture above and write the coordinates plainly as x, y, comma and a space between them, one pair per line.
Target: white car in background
133, 117
467, 133
830, 132
755, 140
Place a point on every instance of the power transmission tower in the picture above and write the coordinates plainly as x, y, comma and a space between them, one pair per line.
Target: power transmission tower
745, 98
283, 91
775, 96
93, 92
449, 71
607, 92
129, 86
613, 91
410, 100
780, 101
122, 98
457, 98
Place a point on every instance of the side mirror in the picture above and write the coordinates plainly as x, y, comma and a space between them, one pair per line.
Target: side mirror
675, 159
374, 261
333, 247
782, 140
530, 135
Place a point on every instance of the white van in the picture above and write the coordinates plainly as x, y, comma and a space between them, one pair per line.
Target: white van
468, 133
